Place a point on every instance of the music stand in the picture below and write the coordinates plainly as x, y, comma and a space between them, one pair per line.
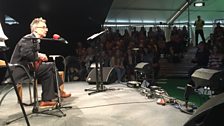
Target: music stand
99, 68
187, 108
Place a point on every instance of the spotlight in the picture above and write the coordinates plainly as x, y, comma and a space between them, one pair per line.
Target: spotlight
199, 3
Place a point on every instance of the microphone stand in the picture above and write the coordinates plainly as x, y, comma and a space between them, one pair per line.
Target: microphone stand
59, 106
4, 49
99, 68
186, 108
62, 40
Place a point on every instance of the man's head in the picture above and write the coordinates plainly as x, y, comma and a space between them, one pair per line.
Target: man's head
218, 24
199, 17
38, 27
201, 46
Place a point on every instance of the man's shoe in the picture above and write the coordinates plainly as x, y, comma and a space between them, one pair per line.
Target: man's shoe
64, 94
47, 104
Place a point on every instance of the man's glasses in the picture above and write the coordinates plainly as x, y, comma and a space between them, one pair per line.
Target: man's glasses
44, 27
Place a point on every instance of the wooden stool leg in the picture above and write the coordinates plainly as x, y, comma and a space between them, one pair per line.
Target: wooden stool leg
31, 100
20, 91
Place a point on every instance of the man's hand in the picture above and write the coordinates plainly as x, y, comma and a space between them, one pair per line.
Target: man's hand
43, 57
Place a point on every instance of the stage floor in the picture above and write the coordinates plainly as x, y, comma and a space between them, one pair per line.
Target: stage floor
122, 106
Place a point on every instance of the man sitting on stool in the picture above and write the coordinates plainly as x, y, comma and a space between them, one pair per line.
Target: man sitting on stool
26, 53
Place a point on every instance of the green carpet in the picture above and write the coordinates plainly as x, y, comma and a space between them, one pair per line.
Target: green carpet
175, 87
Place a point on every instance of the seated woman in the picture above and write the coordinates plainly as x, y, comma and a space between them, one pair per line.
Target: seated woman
215, 59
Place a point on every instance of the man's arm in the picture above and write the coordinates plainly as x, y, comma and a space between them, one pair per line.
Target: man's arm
28, 51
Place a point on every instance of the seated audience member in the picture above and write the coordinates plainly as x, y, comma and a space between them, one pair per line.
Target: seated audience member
215, 59
129, 64
150, 56
117, 62
201, 59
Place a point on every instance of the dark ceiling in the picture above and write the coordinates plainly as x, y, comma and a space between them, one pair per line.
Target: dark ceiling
74, 20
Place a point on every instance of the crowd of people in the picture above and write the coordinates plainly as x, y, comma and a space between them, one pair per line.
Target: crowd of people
125, 51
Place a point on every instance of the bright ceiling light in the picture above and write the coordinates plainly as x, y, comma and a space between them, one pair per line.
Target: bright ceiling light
199, 3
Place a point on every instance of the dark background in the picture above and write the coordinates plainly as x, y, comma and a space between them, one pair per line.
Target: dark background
74, 20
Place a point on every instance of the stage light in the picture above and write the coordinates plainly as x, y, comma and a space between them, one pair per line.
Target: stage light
199, 3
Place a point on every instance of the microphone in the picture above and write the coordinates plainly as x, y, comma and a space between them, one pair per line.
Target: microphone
97, 34
58, 37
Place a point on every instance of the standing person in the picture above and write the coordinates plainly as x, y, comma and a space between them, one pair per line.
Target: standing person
199, 24
27, 52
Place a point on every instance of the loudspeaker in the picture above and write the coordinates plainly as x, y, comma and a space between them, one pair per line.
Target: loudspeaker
109, 75
209, 114
207, 77
144, 71
143, 67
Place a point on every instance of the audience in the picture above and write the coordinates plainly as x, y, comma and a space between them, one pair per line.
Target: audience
125, 51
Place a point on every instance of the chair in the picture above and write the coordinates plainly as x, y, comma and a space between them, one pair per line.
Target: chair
72, 67
28, 80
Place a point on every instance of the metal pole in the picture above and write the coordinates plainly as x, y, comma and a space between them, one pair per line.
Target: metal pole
188, 18
17, 93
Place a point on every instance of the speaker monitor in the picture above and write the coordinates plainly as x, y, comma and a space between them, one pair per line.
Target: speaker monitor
207, 77
109, 75
144, 70
208, 114
143, 67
